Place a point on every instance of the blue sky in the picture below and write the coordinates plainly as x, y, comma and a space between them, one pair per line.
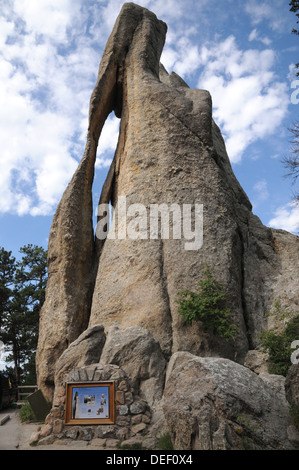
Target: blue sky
243, 52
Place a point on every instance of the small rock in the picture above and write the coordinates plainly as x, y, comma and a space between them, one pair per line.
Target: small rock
98, 442
146, 419
136, 419
103, 431
72, 433
86, 434
149, 443
112, 443
45, 430
34, 437
123, 386
61, 442
123, 420
47, 440
138, 428
123, 410
120, 397
122, 434
132, 441
138, 407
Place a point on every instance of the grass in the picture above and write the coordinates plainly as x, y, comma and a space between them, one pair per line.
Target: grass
26, 413
165, 442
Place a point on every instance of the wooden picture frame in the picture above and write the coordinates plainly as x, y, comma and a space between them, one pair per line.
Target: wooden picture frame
89, 403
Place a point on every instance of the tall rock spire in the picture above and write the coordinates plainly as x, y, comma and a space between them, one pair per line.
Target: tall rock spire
170, 155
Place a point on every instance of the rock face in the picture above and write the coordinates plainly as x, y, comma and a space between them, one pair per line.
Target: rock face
113, 299
217, 404
292, 385
140, 354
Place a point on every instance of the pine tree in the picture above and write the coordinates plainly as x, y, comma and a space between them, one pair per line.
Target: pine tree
7, 269
20, 317
294, 4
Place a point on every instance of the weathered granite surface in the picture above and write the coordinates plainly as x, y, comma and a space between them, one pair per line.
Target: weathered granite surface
217, 404
114, 300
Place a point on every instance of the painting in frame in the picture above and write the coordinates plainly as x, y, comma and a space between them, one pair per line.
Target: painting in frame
89, 403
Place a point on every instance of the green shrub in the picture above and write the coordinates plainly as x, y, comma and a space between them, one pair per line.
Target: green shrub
277, 341
135, 446
165, 442
26, 413
207, 305
294, 412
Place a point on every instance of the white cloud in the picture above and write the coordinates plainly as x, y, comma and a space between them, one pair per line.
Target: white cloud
184, 59
286, 218
266, 11
249, 101
108, 142
49, 56
109, 135
48, 17
254, 36
44, 98
261, 190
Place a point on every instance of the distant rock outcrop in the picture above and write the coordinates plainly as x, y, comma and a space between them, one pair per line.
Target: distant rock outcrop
170, 152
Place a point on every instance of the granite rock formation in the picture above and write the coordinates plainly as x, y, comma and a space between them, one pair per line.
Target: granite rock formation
217, 404
170, 151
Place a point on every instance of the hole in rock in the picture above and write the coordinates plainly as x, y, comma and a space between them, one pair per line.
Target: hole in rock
105, 153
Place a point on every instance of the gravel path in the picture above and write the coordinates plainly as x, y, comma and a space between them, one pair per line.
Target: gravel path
14, 434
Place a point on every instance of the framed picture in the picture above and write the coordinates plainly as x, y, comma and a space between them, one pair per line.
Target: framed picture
90, 403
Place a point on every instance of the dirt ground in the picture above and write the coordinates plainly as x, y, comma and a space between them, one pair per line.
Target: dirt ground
15, 435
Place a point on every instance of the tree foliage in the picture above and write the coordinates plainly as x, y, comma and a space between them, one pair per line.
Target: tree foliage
7, 269
291, 162
208, 306
294, 4
22, 288
277, 341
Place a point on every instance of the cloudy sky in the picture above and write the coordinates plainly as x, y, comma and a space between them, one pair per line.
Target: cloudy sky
243, 52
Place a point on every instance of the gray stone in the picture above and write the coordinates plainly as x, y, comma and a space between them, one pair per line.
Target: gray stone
215, 403
138, 428
123, 410
123, 420
136, 419
292, 384
85, 350
86, 433
72, 433
122, 433
256, 361
98, 442
105, 432
48, 440
149, 443
45, 430
132, 441
112, 443
139, 354
138, 407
